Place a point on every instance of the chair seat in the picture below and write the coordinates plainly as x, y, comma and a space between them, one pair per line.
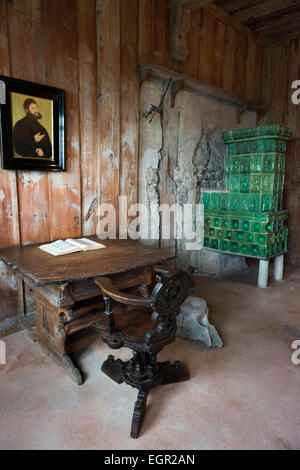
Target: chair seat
132, 323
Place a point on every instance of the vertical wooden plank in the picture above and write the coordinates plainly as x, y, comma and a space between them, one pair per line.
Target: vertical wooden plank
129, 101
146, 28
108, 33
252, 62
161, 33
61, 59
87, 57
207, 43
191, 65
259, 58
240, 65
274, 82
216, 71
211, 50
229, 58
27, 63
9, 212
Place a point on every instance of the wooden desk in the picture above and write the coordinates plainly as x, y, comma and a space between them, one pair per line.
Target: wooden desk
67, 297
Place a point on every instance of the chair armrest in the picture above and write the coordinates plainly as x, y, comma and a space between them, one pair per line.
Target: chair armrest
107, 288
165, 271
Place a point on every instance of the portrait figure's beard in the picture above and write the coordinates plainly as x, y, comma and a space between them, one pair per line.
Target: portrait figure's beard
35, 115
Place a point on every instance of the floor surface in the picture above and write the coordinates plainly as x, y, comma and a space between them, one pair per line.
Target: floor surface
243, 396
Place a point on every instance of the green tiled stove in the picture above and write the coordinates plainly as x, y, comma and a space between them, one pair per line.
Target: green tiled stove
247, 217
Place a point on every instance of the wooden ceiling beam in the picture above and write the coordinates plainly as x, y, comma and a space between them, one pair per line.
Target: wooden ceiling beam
263, 8
192, 4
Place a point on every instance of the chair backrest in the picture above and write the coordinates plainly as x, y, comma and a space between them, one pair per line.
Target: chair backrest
171, 292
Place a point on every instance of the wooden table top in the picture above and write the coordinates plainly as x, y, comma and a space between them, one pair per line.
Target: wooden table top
118, 256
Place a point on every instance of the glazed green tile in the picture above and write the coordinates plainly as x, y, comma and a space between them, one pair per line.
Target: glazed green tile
268, 183
224, 245
261, 239
229, 235
206, 242
280, 224
215, 199
256, 163
245, 164
245, 225
266, 203
206, 200
263, 252
245, 183
225, 223
276, 201
228, 165
224, 202
216, 222
235, 224
219, 234
234, 247
254, 251
234, 202
214, 244
239, 236
234, 183
235, 165
245, 249
255, 183
249, 202
256, 227
269, 227
280, 201
249, 237
269, 163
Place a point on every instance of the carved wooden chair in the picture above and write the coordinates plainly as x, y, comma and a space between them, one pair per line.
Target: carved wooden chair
145, 325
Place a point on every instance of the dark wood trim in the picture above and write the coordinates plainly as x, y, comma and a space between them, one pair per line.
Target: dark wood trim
162, 73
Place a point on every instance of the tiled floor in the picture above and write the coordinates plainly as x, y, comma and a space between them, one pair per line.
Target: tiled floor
243, 396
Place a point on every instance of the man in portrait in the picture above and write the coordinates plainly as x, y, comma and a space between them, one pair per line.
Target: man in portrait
31, 139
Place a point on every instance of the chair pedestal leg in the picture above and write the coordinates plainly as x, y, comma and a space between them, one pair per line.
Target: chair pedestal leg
143, 372
113, 369
138, 413
173, 373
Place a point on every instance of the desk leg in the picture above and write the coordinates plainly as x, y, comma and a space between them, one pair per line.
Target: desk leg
50, 334
59, 359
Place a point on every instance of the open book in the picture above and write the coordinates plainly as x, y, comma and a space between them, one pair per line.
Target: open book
61, 247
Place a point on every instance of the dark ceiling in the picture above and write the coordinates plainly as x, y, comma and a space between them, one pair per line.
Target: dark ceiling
272, 19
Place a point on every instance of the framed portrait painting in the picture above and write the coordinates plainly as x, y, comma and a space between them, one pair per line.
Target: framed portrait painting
32, 126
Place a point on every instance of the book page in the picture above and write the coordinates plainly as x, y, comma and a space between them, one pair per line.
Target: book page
85, 244
59, 247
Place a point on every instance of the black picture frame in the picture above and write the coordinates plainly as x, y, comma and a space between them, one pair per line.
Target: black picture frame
10, 159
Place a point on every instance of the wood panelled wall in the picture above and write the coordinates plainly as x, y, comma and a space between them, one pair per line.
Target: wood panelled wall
76, 45
281, 66
91, 49
223, 52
